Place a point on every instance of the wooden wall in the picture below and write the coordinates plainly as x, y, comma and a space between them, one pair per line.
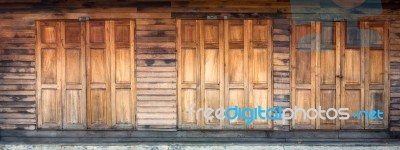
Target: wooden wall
281, 67
156, 73
17, 74
155, 56
394, 35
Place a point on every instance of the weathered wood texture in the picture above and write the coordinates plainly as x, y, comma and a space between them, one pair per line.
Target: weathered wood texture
394, 35
281, 67
155, 54
156, 73
17, 74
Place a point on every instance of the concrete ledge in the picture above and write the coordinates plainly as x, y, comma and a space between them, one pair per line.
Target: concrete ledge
203, 146
87, 136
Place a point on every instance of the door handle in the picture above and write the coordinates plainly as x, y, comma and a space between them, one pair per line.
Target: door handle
339, 76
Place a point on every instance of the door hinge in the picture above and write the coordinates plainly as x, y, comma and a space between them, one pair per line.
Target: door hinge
83, 19
212, 17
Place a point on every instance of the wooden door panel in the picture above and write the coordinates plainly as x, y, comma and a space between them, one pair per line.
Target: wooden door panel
123, 109
74, 110
328, 73
189, 73
353, 67
98, 86
259, 98
236, 64
189, 97
48, 33
98, 66
50, 104
260, 69
304, 71
48, 63
122, 74
376, 83
304, 101
73, 63
212, 100
376, 67
236, 99
189, 66
211, 66
49, 69
260, 65
376, 101
328, 67
123, 65
211, 72
328, 100
352, 101
74, 75
98, 111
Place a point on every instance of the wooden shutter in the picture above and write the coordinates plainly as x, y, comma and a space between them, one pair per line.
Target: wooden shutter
236, 64
215, 59
201, 73
303, 64
91, 61
376, 69
328, 72
98, 74
352, 96
365, 81
260, 68
340, 67
48, 63
188, 74
122, 74
73, 75
212, 70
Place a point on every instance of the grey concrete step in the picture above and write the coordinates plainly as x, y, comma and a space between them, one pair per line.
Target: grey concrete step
207, 146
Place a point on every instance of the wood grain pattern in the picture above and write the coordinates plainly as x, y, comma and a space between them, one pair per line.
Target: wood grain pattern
73, 75
49, 50
123, 87
210, 85
156, 74
303, 69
